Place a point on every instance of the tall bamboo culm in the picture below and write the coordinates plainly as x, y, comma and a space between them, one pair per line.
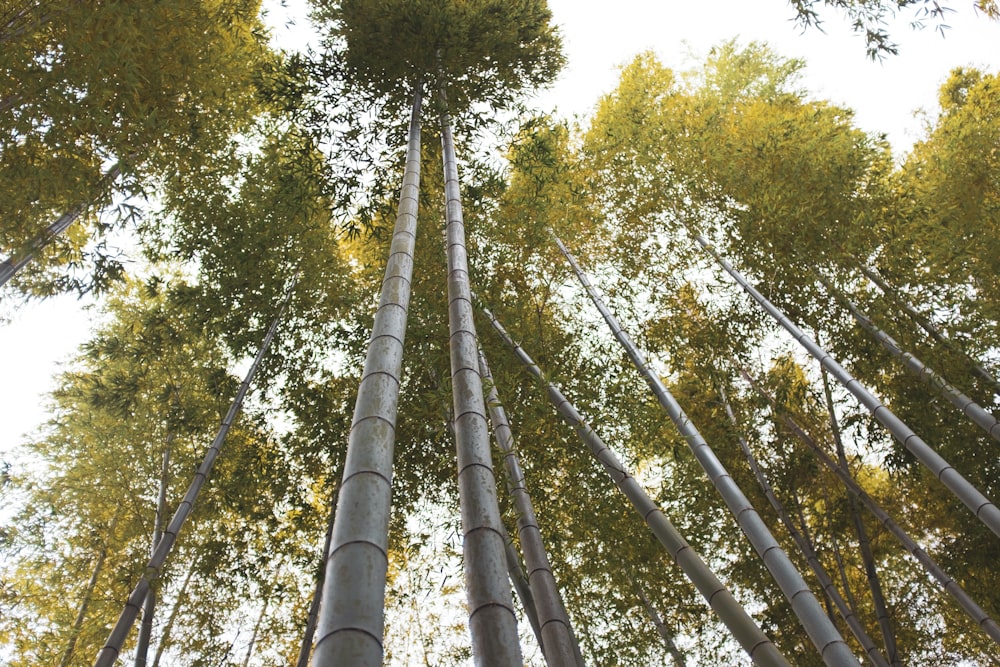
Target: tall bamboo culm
559, 644
848, 613
821, 630
929, 328
965, 405
492, 620
980, 505
947, 582
107, 656
743, 628
351, 619
10, 266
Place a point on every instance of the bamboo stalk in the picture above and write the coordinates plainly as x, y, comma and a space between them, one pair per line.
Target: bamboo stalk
351, 618
743, 628
821, 630
305, 650
112, 648
560, 646
492, 621
982, 619
932, 378
847, 612
981, 506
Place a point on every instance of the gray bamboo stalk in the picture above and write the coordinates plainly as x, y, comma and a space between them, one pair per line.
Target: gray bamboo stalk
654, 616
743, 628
492, 621
847, 612
980, 505
256, 630
522, 587
560, 646
305, 650
928, 327
351, 617
864, 543
149, 608
174, 613
821, 630
982, 619
10, 266
965, 405
112, 648
88, 595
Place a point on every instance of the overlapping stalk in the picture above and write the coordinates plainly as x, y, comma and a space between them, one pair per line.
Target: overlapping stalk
929, 328
112, 648
743, 628
982, 619
980, 505
492, 621
10, 266
966, 405
805, 546
821, 630
559, 644
351, 620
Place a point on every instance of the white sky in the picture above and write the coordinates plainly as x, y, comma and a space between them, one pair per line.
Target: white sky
600, 36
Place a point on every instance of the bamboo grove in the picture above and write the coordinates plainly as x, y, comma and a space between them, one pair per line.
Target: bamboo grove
740, 365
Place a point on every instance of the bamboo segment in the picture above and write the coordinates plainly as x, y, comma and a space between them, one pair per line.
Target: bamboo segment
966, 405
807, 608
522, 587
492, 621
743, 628
305, 648
929, 328
980, 505
10, 266
847, 612
982, 619
351, 619
560, 645
106, 656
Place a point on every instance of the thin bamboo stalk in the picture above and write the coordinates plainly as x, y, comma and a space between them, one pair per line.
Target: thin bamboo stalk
351, 618
981, 506
174, 613
932, 378
805, 545
743, 628
561, 649
982, 619
305, 650
492, 621
654, 616
864, 543
109, 653
10, 266
821, 630
522, 587
929, 328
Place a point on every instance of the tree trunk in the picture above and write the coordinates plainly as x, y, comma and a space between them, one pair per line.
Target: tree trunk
821, 630
560, 646
109, 654
805, 545
722, 602
10, 266
980, 505
146, 629
174, 612
965, 405
867, 556
929, 328
351, 619
88, 595
668, 639
307, 637
982, 619
492, 621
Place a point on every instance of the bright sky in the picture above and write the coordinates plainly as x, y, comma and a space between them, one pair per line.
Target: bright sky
599, 37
